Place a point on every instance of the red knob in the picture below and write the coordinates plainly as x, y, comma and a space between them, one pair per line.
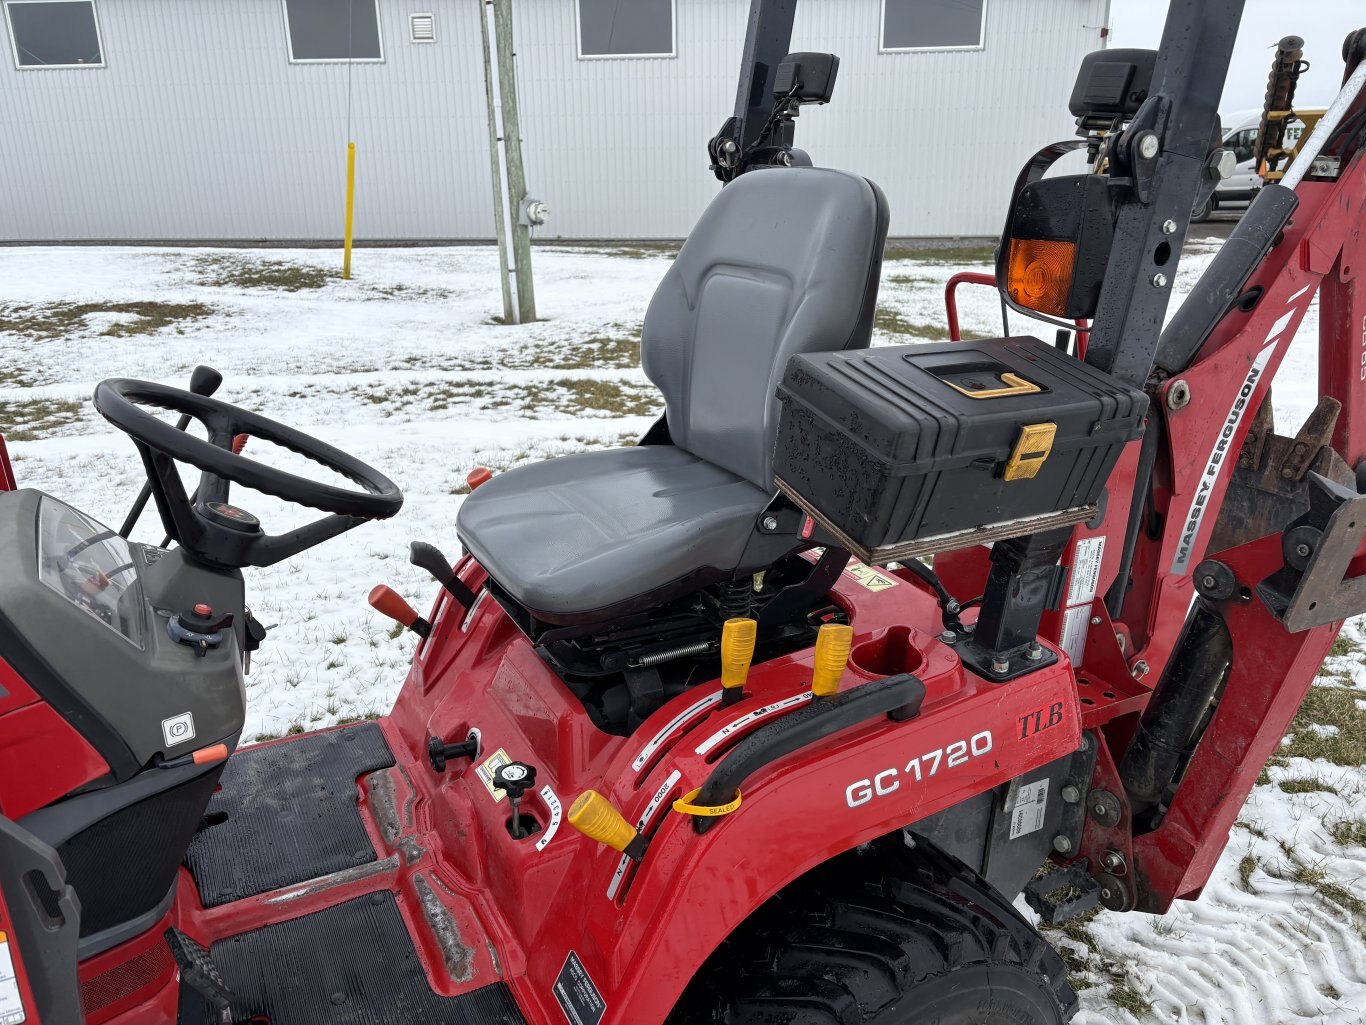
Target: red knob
479, 475
386, 601
203, 610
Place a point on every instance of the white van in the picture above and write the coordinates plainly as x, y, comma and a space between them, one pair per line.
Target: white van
1241, 187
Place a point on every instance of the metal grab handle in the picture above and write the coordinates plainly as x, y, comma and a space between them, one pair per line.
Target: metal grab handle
1014, 385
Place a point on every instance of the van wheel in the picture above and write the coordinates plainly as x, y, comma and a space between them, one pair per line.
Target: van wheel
1202, 212
883, 935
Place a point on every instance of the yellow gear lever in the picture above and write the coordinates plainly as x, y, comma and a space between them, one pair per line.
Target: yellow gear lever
833, 644
737, 651
598, 819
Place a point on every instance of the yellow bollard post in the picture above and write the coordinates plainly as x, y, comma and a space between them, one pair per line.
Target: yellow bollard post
350, 206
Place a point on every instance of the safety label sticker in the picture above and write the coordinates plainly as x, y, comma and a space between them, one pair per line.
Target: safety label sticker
1075, 623
492, 764
11, 1003
1085, 576
870, 577
1030, 806
178, 729
579, 998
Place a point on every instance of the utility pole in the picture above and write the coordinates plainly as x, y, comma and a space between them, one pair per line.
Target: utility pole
496, 168
513, 215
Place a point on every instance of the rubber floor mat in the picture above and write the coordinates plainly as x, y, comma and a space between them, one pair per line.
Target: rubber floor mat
352, 964
286, 814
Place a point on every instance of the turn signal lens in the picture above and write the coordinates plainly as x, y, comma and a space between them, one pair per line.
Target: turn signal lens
1039, 274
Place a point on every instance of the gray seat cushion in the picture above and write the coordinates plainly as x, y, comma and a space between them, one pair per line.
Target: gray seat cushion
783, 261
590, 532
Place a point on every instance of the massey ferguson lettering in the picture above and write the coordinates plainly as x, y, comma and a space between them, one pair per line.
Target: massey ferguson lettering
1210, 476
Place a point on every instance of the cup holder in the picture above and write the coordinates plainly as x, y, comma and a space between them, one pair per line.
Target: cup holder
889, 654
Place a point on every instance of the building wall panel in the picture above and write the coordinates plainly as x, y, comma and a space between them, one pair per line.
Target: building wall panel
199, 127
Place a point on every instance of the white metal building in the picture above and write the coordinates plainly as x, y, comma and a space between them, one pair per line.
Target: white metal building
133, 120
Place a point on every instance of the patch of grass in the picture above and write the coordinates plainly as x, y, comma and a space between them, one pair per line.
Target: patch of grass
891, 321
635, 250
35, 418
1330, 991
224, 271
1343, 646
1349, 834
261, 738
49, 321
1329, 706
619, 350
295, 729
367, 716
612, 397
1307, 785
942, 254
1246, 867
396, 631
1123, 994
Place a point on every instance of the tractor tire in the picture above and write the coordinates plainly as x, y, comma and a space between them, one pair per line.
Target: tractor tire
883, 935
1203, 211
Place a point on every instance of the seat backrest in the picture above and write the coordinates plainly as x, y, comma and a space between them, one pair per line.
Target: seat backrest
783, 261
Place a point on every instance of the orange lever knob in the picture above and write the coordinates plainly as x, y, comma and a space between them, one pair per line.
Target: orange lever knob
239, 443
210, 755
386, 601
479, 475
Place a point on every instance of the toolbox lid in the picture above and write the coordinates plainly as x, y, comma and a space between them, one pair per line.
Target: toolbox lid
946, 405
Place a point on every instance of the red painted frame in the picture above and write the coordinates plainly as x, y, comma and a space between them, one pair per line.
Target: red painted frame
7, 482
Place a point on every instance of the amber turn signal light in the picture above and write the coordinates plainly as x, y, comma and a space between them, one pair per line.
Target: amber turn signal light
1039, 274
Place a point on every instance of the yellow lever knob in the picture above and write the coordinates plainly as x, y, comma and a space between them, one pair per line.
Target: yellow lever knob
598, 819
833, 644
737, 651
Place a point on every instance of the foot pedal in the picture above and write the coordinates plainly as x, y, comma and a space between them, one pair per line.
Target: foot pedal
1063, 894
198, 971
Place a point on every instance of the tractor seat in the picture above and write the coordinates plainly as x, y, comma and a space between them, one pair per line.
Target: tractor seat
783, 261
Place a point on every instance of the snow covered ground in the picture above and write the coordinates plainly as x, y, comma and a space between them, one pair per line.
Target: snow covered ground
406, 367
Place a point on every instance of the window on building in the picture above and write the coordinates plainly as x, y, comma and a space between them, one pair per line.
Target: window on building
933, 24
626, 28
54, 33
333, 30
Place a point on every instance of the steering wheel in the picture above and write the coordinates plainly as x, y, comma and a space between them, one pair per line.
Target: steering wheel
209, 528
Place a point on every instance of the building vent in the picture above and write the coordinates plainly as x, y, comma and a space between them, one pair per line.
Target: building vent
422, 28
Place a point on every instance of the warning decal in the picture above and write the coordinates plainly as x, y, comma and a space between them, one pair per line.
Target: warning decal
1030, 806
11, 1003
579, 998
492, 764
1075, 623
1085, 577
869, 577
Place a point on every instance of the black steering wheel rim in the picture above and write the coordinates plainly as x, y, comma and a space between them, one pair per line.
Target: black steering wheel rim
120, 401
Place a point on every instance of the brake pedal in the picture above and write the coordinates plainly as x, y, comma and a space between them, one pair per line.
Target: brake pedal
1063, 894
198, 971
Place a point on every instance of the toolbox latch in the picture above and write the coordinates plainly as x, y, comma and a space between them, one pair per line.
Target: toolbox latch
1032, 448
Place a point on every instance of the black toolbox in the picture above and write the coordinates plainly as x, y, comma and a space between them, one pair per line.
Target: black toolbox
910, 449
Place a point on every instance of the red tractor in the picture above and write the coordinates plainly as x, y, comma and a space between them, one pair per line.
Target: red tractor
694, 733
